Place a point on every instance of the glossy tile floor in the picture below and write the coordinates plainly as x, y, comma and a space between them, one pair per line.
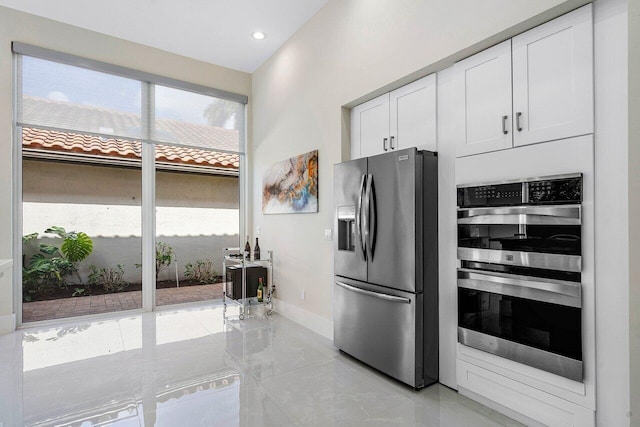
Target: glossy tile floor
194, 367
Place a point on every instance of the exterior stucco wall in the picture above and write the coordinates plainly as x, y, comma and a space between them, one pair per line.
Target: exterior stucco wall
197, 215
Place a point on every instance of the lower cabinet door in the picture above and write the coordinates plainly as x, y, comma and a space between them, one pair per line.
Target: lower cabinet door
380, 327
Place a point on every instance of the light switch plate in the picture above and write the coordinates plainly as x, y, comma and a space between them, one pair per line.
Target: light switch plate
328, 234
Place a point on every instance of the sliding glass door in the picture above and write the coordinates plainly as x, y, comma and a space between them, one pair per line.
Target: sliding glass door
81, 228
197, 193
197, 215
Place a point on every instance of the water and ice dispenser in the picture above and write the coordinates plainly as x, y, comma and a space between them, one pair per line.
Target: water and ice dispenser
347, 228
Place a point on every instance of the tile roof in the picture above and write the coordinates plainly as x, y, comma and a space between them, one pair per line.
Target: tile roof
59, 114
64, 142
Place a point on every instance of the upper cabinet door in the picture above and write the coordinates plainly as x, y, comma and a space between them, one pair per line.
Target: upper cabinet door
413, 115
483, 87
553, 79
370, 127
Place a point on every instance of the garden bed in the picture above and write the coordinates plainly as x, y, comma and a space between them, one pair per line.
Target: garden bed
71, 290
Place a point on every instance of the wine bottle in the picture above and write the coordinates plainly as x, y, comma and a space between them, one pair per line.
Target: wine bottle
260, 289
256, 251
247, 249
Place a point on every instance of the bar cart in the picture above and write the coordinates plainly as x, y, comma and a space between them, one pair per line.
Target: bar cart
239, 259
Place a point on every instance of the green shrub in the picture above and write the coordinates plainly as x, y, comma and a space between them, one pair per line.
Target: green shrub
110, 279
164, 257
49, 267
202, 272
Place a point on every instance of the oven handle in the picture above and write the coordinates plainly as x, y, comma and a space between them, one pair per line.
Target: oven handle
386, 297
552, 291
532, 215
547, 261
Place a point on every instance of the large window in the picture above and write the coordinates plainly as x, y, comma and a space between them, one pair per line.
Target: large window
130, 181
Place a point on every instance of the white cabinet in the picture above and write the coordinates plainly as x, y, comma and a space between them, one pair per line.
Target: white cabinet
400, 119
413, 115
483, 90
370, 127
553, 79
534, 88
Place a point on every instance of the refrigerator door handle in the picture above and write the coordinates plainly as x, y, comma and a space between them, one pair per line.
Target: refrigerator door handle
368, 218
359, 218
374, 294
372, 221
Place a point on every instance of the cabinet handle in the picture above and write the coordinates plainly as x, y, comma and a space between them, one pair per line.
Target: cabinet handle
518, 114
504, 124
391, 143
384, 144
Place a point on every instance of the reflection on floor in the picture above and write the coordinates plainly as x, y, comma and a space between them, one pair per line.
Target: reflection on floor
198, 367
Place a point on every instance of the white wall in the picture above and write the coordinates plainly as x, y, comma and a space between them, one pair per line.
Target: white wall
17, 26
352, 50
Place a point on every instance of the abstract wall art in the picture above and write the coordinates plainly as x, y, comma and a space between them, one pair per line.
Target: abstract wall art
291, 186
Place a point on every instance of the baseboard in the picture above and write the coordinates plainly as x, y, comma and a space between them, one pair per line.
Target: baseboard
316, 323
7, 324
500, 408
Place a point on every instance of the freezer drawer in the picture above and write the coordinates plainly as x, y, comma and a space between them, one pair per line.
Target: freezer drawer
381, 327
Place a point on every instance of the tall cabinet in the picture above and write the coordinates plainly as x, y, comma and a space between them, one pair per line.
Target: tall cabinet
403, 118
533, 88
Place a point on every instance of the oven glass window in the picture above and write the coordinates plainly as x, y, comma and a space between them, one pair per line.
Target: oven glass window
555, 239
551, 327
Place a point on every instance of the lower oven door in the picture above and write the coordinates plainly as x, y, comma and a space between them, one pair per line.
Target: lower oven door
532, 321
381, 327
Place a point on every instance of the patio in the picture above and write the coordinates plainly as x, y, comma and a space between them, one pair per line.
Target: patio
82, 306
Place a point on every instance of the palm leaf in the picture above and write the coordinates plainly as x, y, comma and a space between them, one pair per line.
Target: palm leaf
77, 246
58, 231
29, 237
47, 249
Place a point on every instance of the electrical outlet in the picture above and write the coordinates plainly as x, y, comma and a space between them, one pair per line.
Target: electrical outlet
328, 234
303, 294
257, 231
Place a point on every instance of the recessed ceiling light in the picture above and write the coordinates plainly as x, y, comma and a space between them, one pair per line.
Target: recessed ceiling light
258, 35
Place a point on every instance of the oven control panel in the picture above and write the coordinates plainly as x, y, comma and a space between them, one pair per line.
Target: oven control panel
555, 190
490, 195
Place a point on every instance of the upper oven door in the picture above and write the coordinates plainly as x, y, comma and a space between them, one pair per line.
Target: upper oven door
547, 237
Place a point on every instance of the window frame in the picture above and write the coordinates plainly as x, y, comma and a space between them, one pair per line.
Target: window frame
148, 220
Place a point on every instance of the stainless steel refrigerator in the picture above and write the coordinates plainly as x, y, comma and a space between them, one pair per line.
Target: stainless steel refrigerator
386, 263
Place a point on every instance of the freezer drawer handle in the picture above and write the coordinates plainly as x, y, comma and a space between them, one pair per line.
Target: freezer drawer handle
374, 294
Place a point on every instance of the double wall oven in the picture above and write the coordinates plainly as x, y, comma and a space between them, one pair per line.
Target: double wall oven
519, 281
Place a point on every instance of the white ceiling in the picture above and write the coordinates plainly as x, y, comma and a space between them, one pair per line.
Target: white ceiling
215, 31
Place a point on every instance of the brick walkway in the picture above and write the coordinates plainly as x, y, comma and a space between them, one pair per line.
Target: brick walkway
82, 306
